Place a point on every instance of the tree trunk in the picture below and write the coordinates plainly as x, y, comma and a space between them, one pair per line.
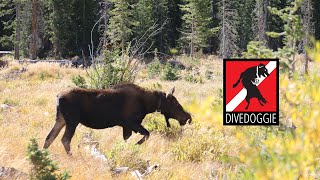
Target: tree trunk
106, 7
84, 25
192, 39
307, 11
260, 25
223, 29
17, 41
34, 29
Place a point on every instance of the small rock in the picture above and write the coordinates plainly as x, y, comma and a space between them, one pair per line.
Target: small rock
4, 106
177, 64
136, 174
120, 170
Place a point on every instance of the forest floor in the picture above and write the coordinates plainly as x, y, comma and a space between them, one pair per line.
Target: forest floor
203, 150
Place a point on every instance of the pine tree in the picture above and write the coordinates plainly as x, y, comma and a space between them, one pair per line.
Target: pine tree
17, 35
228, 31
160, 16
316, 18
259, 24
34, 29
7, 24
293, 32
121, 24
245, 10
175, 22
196, 25
143, 16
274, 23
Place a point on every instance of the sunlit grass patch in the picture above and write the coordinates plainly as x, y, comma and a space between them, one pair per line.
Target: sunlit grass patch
41, 101
10, 101
43, 71
199, 146
124, 154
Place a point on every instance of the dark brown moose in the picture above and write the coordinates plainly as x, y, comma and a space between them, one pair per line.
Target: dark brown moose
124, 105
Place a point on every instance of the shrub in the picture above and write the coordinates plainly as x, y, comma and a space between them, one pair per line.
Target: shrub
156, 123
170, 73
154, 68
42, 165
256, 49
113, 69
174, 51
79, 81
193, 78
290, 153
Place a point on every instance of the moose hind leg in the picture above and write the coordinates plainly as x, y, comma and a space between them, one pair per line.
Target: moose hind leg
67, 136
59, 124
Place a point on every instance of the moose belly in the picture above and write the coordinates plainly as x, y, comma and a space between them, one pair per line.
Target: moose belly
101, 118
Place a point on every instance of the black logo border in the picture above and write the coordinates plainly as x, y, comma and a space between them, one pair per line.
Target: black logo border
224, 90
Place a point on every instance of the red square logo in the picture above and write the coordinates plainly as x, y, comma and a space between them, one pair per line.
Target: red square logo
251, 92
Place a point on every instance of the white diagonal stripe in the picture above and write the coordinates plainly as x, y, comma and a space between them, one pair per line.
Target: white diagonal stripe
242, 94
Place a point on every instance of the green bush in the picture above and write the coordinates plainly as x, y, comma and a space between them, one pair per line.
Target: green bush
256, 49
154, 68
174, 51
156, 123
193, 78
79, 81
113, 69
42, 166
170, 73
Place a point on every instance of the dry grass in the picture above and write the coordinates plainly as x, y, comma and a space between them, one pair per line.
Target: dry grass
32, 95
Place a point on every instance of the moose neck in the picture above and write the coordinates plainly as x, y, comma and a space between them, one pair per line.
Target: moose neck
154, 101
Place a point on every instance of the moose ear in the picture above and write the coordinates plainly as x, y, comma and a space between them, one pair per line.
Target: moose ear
170, 92
261, 65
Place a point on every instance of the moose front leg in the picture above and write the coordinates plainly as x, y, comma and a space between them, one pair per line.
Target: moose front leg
145, 134
127, 132
167, 121
138, 128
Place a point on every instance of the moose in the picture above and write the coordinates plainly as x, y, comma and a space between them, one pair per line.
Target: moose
250, 80
123, 105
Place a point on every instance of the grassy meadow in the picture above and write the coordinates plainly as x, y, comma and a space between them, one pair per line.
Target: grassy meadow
203, 150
